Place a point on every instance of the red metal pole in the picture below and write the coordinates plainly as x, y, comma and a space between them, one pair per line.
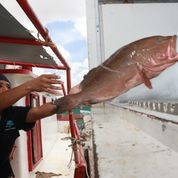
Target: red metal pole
5, 61
63, 89
68, 80
44, 33
22, 41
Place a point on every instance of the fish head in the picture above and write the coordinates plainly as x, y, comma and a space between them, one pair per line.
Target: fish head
154, 51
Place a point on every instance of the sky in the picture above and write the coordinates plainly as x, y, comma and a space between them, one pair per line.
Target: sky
66, 23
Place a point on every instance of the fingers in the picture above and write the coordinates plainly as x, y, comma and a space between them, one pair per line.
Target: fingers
50, 83
50, 76
51, 79
52, 86
51, 91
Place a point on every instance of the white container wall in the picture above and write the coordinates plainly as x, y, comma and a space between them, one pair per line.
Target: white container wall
116, 25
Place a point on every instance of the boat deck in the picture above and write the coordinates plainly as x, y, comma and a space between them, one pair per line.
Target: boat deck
122, 150
125, 151
57, 159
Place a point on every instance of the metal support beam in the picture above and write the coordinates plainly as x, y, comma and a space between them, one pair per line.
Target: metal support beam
23, 41
31, 65
43, 32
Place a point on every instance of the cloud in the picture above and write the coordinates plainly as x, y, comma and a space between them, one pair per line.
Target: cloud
64, 32
71, 41
62, 10
57, 10
79, 69
80, 25
51, 11
64, 52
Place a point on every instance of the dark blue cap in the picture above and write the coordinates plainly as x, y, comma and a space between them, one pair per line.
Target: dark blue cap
3, 77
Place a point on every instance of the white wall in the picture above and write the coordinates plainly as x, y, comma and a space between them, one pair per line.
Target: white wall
120, 24
124, 23
93, 33
49, 129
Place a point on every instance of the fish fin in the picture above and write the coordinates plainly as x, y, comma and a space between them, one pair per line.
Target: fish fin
144, 77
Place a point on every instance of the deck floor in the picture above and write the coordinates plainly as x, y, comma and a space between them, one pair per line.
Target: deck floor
57, 159
124, 151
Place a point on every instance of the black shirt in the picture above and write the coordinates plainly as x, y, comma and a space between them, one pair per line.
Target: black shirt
12, 120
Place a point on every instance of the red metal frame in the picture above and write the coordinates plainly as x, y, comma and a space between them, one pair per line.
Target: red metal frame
16, 71
44, 33
32, 65
23, 41
47, 42
44, 99
63, 89
80, 169
11, 157
32, 165
78, 150
29, 139
80, 163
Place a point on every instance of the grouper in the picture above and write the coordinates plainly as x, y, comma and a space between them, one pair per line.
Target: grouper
129, 66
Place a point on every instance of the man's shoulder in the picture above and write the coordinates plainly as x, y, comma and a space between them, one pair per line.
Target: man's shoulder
17, 110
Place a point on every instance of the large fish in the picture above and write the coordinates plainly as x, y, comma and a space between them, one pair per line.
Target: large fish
131, 65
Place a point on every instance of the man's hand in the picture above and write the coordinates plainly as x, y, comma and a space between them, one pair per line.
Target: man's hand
45, 83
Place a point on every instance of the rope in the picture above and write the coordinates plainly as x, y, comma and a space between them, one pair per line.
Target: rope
46, 42
75, 142
70, 161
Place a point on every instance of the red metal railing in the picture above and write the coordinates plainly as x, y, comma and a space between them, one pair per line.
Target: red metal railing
31, 64
80, 168
47, 42
80, 163
77, 148
44, 33
23, 41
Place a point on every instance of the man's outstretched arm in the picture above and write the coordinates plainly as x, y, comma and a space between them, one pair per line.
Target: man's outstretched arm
41, 112
42, 83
